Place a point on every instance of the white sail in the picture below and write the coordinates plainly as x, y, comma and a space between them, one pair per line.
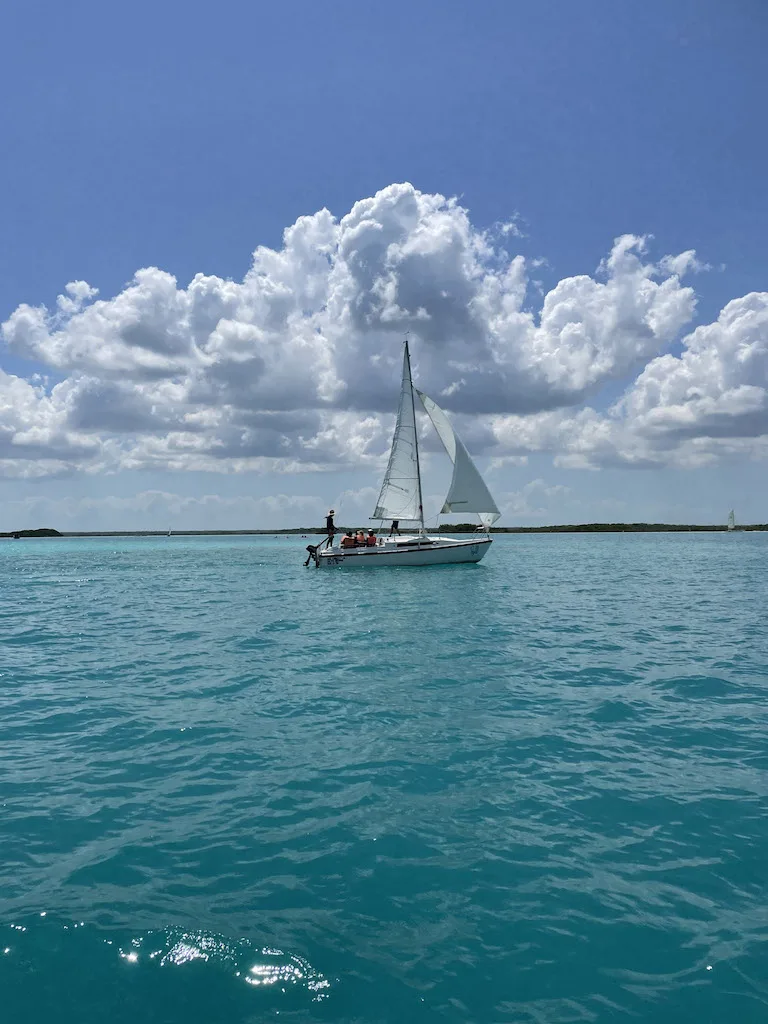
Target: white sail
468, 491
400, 496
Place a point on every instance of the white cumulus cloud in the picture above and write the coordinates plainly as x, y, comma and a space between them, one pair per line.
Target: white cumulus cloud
295, 367
686, 410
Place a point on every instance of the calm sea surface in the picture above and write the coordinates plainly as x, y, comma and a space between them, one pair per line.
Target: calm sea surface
235, 790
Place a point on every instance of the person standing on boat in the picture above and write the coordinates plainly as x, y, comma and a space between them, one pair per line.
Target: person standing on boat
395, 527
330, 528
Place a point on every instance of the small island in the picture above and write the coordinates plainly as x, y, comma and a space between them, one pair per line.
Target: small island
19, 534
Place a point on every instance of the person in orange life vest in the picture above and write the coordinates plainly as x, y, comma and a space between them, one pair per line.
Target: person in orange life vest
360, 539
370, 540
347, 541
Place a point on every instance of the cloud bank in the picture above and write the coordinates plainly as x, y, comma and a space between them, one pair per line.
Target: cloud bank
295, 367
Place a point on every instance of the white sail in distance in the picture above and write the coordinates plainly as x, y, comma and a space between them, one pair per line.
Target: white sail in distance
468, 491
400, 496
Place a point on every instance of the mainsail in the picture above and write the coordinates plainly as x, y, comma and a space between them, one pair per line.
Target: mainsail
400, 496
468, 492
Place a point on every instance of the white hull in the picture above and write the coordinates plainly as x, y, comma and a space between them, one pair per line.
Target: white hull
407, 551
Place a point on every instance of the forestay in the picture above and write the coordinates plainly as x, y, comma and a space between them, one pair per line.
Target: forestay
400, 493
468, 492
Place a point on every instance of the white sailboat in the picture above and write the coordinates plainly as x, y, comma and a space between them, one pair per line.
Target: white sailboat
400, 500
731, 520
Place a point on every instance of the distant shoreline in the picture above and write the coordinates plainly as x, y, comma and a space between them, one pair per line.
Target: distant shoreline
306, 531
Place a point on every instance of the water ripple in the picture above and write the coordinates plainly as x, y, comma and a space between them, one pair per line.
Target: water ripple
531, 790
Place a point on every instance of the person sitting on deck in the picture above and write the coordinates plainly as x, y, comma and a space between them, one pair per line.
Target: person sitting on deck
348, 541
360, 539
370, 540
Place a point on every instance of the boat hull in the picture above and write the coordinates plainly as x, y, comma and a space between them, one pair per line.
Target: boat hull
432, 551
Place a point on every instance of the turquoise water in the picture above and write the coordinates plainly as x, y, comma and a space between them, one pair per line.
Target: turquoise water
234, 789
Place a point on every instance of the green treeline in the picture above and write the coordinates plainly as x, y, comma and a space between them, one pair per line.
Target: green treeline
603, 528
18, 534
445, 528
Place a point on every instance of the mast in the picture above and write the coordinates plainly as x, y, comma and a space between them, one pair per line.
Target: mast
415, 437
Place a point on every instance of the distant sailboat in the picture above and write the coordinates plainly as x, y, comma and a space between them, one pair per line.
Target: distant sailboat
731, 520
169, 532
400, 500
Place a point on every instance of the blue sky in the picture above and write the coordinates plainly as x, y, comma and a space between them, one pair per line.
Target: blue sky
181, 137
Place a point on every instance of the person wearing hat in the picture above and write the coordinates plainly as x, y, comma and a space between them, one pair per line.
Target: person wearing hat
330, 528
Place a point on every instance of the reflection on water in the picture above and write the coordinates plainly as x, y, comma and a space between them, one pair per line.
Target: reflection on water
41, 961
